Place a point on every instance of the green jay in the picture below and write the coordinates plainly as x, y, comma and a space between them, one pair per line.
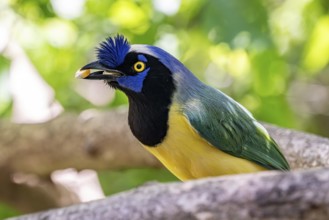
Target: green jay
193, 129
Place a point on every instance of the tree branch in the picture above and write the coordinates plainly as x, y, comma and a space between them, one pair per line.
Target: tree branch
267, 195
302, 150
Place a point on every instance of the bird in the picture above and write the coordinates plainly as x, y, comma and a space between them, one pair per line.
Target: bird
193, 129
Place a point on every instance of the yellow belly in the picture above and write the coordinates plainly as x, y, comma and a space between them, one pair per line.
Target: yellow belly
188, 156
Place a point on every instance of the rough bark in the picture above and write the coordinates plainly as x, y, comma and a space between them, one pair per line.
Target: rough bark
301, 149
268, 195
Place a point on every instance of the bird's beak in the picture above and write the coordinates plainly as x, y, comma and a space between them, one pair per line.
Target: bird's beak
101, 72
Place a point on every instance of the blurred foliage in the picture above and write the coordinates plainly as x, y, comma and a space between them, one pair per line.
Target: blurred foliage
117, 181
6, 211
5, 100
253, 51
270, 55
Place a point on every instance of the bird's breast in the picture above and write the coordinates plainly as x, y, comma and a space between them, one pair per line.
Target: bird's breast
189, 156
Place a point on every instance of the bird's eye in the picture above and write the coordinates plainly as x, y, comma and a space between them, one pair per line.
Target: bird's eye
139, 66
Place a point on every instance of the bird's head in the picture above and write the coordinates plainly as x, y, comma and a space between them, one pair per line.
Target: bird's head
151, 78
141, 71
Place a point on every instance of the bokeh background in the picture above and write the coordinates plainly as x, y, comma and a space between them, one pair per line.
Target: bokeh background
270, 55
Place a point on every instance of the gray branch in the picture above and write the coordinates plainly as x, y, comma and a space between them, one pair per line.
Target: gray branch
268, 195
299, 194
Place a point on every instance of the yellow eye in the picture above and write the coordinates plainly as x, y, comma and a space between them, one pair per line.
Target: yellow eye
139, 66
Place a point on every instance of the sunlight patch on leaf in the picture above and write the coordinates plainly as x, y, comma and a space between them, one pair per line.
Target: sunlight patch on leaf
168, 7
287, 23
60, 33
317, 53
68, 9
128, 14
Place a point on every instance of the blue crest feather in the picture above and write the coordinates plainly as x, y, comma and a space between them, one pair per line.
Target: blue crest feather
112, 51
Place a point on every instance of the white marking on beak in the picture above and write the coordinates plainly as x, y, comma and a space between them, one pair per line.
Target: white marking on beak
112, 73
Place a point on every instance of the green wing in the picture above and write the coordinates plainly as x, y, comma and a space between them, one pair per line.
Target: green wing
231, 128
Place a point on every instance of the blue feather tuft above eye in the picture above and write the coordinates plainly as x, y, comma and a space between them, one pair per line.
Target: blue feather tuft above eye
112, 51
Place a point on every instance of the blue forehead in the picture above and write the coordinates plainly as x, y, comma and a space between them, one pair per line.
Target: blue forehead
112, 51
142, 58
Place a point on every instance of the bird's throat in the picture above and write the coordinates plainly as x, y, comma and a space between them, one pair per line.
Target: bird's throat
149, 108
148, 121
